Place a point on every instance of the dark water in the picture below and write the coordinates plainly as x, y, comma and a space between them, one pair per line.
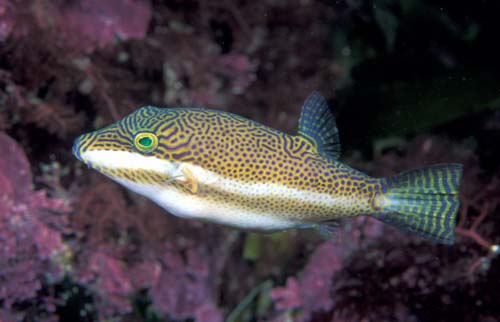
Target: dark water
411, 83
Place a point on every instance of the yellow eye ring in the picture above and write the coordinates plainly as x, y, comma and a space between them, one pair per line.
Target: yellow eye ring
146, 142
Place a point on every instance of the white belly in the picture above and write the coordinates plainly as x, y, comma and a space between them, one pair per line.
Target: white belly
192, 206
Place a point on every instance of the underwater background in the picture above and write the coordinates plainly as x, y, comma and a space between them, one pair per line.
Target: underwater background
411, 83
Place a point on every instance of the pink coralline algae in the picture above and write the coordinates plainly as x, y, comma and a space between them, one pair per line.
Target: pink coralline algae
30, 233
311, 291
179, 286
192, 295
80, 26
107, 275
101, 22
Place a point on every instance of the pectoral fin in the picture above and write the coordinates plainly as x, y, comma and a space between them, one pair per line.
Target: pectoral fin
190, 180
190, 177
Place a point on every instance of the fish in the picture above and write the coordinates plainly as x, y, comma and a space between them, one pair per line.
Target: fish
219, 167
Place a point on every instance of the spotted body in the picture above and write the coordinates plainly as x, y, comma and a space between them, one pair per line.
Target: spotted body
220, 167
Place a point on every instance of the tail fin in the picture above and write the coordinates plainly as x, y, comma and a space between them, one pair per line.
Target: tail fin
423, 201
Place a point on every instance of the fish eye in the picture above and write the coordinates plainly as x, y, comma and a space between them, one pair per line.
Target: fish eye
146, 142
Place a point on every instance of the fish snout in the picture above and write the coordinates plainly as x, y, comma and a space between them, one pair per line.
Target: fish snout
78, 145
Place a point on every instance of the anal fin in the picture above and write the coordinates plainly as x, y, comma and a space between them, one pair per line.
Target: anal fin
327, 229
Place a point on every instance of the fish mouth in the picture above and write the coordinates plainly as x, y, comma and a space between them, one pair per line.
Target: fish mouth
80, 147
77, 148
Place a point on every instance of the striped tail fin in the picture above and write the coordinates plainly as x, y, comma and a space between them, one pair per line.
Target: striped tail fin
423, 201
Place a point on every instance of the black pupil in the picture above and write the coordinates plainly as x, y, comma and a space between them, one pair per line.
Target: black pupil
146, 142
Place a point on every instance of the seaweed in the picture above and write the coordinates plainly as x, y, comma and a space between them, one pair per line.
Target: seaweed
34, 254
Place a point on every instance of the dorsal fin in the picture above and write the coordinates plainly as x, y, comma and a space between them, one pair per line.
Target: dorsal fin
317, 125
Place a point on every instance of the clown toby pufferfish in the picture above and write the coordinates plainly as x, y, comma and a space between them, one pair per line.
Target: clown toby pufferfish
220, 167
